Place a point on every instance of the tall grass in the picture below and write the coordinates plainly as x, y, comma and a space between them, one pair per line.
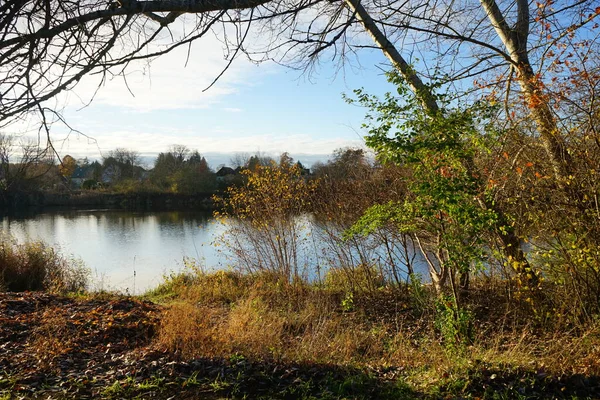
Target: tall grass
227, 314
35, 266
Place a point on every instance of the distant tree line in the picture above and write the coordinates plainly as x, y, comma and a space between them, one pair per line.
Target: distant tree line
27, 167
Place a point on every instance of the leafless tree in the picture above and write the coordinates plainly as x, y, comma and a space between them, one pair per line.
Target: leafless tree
125, 156
48, 46
180, 152
21, 162
124, 162
239, 160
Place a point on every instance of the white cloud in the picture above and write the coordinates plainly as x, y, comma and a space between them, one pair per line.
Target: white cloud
176, 80
165, 84
168, 106
149, 144
274, 144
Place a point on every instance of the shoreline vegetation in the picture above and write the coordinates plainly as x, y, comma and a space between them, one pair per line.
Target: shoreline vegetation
30, 201
230, 334
508, 306
178, 178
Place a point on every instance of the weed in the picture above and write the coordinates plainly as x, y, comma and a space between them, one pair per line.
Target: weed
151, 384
7, 381
236, 358
419, 298
113, 390
192, 380
362, 278
454, 324
348, 302
219, 385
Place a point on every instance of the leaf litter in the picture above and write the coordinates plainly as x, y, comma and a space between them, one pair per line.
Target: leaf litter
61, 347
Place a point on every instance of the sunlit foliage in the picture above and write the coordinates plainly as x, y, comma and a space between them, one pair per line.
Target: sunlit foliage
266, 229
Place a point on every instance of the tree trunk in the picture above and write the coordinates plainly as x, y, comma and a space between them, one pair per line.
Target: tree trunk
438, 278
515, 41
510, 241
419, 88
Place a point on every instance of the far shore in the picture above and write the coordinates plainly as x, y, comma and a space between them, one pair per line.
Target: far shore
95, 199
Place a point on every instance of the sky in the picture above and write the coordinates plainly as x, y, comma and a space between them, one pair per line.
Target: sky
264, 108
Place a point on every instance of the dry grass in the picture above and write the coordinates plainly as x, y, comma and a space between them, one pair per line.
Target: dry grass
225, 314
51, 339
191, 330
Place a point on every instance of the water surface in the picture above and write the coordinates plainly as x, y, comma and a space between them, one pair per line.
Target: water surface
125, 250
131, 251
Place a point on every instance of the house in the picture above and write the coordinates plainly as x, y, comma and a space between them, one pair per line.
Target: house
111, 174
226, 174
80, 175
225, 171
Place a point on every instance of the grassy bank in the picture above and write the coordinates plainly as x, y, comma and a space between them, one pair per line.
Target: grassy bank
226, 334
499, 349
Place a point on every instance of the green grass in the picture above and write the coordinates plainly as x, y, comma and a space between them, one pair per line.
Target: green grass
130, 388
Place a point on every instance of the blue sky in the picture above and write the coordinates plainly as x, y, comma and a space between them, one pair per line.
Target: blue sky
266, 108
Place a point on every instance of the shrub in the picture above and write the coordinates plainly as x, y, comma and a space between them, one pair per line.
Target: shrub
90, 184
266, 230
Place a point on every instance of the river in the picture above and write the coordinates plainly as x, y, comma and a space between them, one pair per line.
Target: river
130, 251
125, 250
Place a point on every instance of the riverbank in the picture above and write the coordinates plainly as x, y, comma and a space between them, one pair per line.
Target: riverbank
20, 201
60, 347
223, 335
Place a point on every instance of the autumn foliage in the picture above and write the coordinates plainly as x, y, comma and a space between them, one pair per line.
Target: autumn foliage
264, 220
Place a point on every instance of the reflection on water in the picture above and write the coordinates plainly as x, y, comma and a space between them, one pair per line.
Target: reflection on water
115, 243
131, 251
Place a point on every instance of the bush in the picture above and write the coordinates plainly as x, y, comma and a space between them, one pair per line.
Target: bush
36, 266
266, 230
90, 184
